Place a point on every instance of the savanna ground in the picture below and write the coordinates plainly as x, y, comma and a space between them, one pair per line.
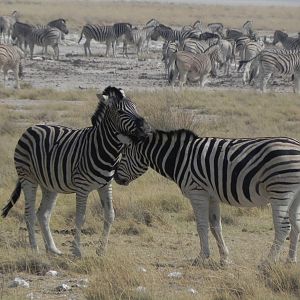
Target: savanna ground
154, 228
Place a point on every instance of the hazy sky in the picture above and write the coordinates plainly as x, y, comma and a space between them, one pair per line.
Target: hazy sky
231, 2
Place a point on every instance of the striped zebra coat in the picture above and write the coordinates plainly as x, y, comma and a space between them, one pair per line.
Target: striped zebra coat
6, 25
100, 33
67, 160
238, 172
11, 59
289, 43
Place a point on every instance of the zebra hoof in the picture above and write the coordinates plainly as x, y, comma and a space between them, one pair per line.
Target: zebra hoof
100, 251
54, 251
206, 263
75, 250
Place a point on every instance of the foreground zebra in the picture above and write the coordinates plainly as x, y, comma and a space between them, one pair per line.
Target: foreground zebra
276, 61
239, 172
10, 59
66, 160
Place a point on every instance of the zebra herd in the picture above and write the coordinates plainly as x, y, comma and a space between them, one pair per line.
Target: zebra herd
186, 52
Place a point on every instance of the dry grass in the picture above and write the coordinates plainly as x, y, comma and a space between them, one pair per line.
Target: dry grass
78, 13
154, 226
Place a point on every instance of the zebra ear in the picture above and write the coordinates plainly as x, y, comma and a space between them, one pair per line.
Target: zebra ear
124, 139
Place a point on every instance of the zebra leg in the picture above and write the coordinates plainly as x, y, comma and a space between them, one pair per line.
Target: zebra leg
4, 76
31, 47
113, 44
107, 48
200, 204
216, 229
29, 190
105, 194
294, 214
87, 45
56, 51
297, 82
281, 222
16, 73
44, 215
79, 220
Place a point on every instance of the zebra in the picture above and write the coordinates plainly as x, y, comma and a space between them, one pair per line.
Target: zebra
287, 42
20, 34
123, 33
247, 27
6, 24
228, 54
100, 33
10, 59
239, 172
138, 36
276, 61
195, 46
251, 50
168, 50
60, 24
211, 27
194, 67
67, 160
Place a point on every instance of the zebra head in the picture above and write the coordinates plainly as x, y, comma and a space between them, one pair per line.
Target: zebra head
59, 24
279, 36
132, 164
121, 114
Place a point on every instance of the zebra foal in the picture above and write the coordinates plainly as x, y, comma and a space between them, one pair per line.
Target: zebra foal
67, 160
238, 172
194, 67
10, 59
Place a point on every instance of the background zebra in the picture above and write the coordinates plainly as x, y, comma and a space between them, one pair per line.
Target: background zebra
6, 25
21, 34
99, 33
238, 172
287, 42
123, 33
276, 61
194, 67
66, 160
10, 59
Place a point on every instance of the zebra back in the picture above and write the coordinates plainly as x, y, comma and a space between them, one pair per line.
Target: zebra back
100, 33
195, 46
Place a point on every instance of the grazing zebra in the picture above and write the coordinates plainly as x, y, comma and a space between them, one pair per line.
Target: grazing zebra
67, 160
6, 25
239, 172
123, 33
194, 67
287, 42
21, 34
10, 59
99, 33
251, 50
276, 61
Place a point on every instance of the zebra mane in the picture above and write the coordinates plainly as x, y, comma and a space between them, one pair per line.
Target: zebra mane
178, 132
108, 96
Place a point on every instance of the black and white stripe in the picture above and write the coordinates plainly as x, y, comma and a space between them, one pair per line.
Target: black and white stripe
11, 59
100, 33
238, 172
67, 160
287, 42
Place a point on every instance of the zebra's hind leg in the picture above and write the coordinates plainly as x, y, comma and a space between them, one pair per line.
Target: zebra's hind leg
294, 214
105, 194
16, 73
280, 208
56, 51
29, 190
87, 45
200, 204
79, 220
44, 215
216, 229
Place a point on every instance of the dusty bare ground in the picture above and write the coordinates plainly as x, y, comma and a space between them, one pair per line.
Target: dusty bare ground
74, 70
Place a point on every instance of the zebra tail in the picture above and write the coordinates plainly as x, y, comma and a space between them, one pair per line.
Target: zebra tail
80, 36
13, 199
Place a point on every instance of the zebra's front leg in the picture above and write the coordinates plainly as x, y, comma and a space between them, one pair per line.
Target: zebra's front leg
200, 204
44, 215
29, 190
79, 221
216, 229
105, 194
56, 51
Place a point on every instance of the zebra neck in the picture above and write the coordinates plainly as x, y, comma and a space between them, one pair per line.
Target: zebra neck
167, 152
